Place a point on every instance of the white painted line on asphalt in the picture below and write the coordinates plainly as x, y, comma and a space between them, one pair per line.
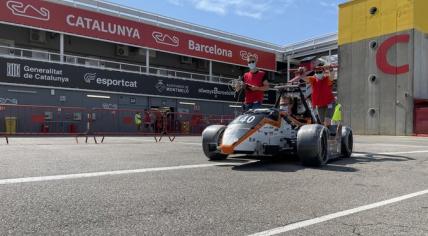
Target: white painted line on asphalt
196, 144
107, 173
391, 145
399, 153
325, 218
389, 153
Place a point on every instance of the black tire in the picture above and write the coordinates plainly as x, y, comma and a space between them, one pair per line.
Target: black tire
211, 138
347, 142
312, 146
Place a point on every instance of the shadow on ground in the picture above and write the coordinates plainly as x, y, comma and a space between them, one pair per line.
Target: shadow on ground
293, 164
379, 157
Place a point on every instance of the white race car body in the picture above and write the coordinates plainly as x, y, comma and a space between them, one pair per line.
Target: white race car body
261, 132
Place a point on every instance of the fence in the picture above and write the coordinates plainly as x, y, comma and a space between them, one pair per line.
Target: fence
42, 120
119, 122
27, 120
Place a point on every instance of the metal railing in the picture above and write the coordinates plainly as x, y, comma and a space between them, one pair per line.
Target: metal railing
311, 43
48, 56
314, 45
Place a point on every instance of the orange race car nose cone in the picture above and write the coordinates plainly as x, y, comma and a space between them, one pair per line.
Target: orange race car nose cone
227, 149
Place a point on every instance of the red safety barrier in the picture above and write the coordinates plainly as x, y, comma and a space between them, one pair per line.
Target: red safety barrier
193, 123
153, 122
42, 120
28, 120
120, 122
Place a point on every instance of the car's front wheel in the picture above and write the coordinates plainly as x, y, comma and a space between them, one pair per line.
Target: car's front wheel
211, 139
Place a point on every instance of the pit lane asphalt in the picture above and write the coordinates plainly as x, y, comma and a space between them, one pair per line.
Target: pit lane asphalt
243, 196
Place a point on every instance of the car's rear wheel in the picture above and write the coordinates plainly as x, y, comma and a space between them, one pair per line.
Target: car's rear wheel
347, 142
211, 138
312, 146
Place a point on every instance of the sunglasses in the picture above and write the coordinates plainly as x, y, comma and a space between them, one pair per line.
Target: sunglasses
251, 61
319, 72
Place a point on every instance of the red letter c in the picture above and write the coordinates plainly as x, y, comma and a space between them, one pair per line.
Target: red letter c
382, 59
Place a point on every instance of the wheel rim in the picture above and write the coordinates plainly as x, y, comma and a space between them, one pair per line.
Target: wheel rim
220, 138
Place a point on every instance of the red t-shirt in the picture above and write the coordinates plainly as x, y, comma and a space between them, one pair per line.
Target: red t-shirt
322, 91
255, 79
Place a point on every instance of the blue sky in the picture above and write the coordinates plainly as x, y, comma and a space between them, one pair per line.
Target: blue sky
276, 21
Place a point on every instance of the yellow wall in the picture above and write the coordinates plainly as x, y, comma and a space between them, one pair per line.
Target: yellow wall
356, 23
421, 15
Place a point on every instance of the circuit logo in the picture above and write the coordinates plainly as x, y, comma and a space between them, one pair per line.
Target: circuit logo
28, 11
245, 55
166, 39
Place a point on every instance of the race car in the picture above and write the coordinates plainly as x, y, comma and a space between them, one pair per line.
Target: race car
265, 132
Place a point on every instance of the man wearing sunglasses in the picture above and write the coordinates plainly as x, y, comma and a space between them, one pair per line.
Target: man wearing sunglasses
254, 84
322, 93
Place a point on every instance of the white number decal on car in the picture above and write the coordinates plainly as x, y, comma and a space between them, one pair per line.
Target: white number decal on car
251, 119
247, 119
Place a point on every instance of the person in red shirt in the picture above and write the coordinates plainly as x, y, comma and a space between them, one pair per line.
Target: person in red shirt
322, 93
254, 83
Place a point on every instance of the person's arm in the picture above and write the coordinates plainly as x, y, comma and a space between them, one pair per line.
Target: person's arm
298, 75
296, 79
308, 79
263, 88
283, 113
290, 118
294, 121
330, 75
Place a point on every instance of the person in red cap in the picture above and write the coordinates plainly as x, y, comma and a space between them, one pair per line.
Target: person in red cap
255, 84
322, 93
